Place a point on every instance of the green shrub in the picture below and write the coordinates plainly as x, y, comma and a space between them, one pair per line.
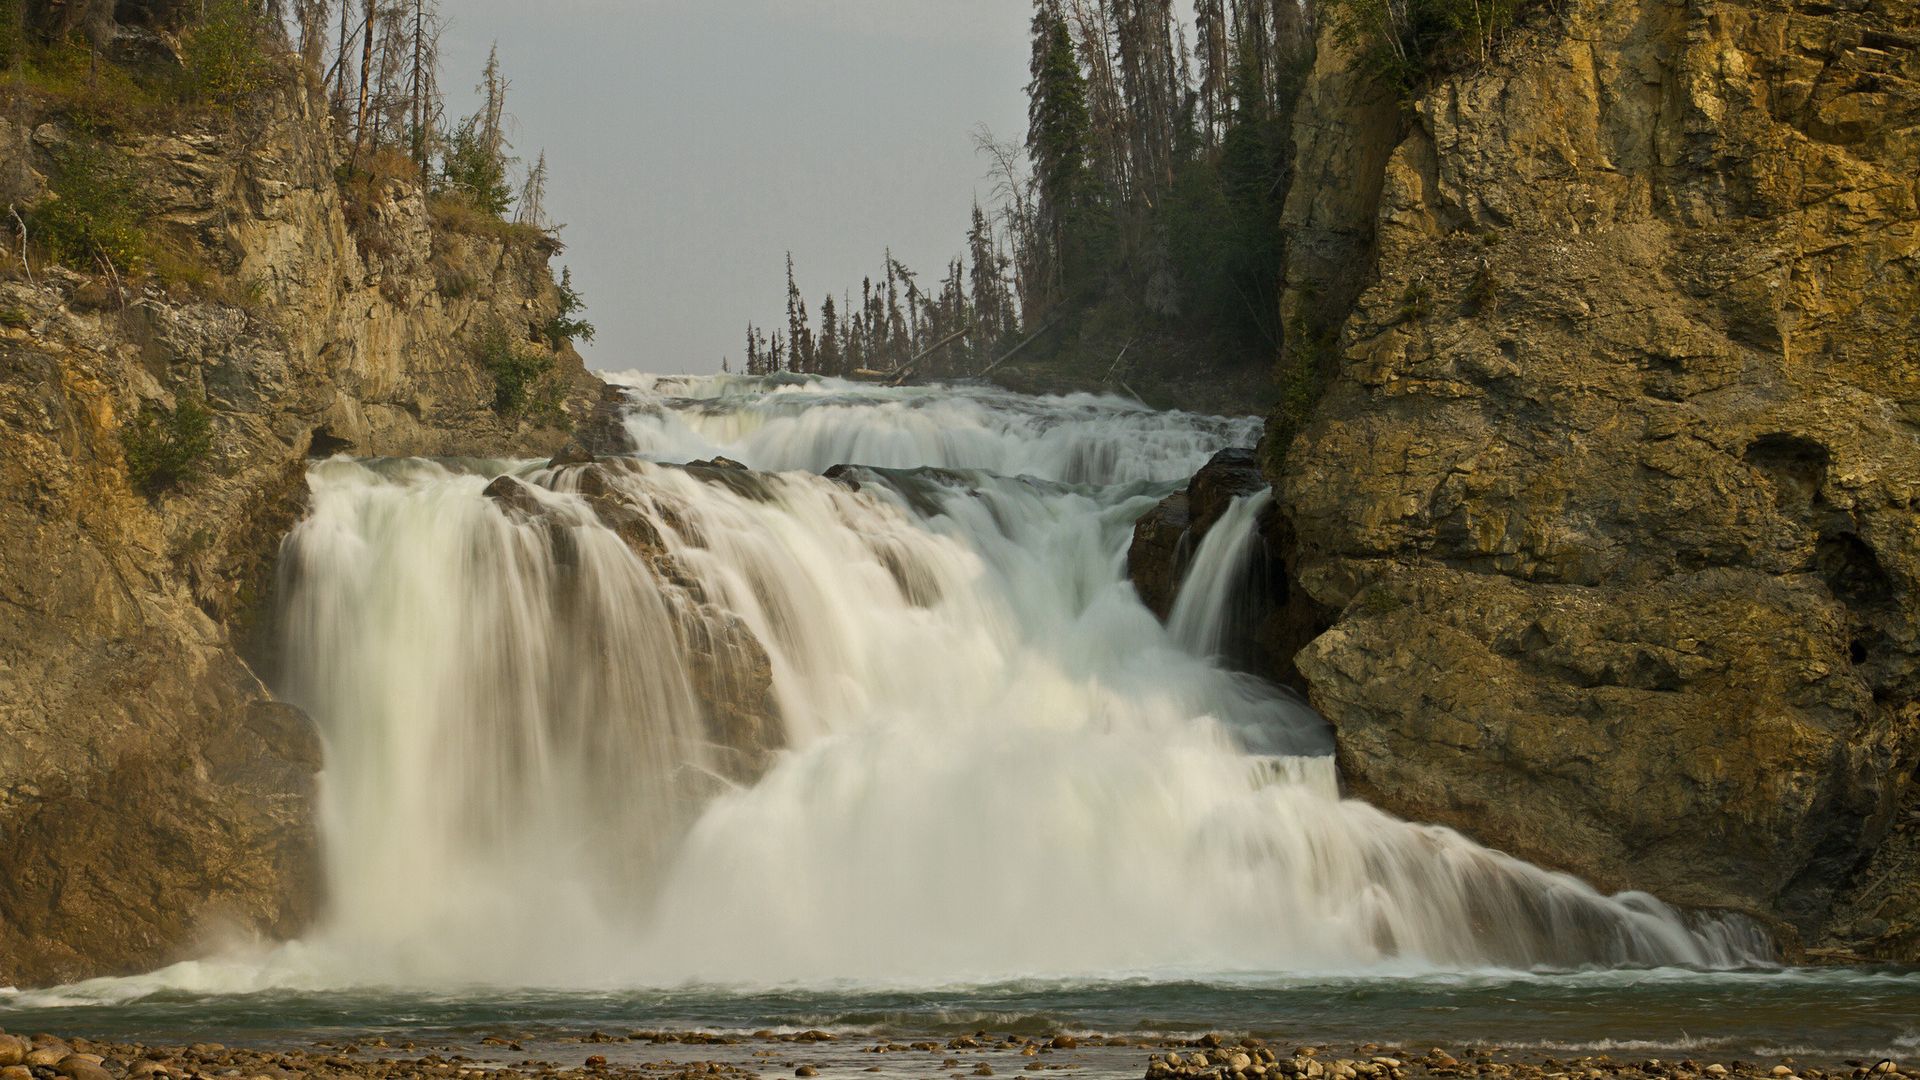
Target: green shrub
564, 327
167, 449
14, 318
1405, 42
1311, 351
13, 33
222, 59
1416, 302
96, 209
1483, 291
1378, 600
524, 382
476, 170
63, 79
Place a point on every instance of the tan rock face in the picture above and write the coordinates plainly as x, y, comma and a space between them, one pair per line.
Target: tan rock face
1617, 482
152, 794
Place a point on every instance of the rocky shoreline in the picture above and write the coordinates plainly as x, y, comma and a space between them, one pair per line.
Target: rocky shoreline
682, 1055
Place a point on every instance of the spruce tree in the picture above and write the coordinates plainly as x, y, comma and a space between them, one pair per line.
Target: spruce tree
827, 349
1058, 130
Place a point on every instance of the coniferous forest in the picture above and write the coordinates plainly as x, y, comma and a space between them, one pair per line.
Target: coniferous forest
1142, 206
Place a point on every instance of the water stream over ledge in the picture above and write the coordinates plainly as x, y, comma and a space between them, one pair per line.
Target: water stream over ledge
1002, 794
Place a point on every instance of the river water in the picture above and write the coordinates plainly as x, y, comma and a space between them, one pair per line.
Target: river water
1006, 798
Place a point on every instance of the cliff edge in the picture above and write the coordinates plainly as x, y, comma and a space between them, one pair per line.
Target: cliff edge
157, 424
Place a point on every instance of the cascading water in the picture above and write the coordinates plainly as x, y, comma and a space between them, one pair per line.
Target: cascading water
996, 762
1209, 607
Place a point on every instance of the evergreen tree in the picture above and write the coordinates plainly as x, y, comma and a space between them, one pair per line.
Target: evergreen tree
1057, 142
799, 334
827, 352
992, 306
532, 206
474, 161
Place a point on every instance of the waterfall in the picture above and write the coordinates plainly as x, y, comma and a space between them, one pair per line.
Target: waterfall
637, 724
1209, 606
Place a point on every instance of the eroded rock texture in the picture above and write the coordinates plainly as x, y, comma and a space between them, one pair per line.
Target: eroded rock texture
1616, 484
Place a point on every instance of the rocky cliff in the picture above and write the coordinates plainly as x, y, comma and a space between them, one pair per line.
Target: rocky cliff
151, 790
1615, 489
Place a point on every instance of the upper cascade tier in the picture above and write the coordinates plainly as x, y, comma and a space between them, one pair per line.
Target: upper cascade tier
807, 422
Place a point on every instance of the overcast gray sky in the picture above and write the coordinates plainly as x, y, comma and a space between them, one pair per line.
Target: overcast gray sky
692, 143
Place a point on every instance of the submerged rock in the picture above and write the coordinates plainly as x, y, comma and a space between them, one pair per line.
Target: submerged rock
729, 670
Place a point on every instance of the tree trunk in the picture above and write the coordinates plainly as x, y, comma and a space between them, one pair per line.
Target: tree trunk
366, 76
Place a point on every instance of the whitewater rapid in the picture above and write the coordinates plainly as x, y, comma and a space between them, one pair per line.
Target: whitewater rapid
995, 763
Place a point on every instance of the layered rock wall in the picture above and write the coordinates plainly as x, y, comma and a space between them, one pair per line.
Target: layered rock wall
1616, 487
152, 793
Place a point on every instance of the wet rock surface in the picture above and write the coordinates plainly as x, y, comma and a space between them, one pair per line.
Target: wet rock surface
1280, 618
731, 672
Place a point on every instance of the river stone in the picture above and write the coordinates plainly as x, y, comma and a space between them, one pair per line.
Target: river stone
12, 1050
78, 1067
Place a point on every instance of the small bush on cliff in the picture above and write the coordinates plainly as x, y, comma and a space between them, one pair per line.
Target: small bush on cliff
564, 326
96, 210
222, 59
454, 213
1405, 42
524, 382
473, 167
165, 449
13, 33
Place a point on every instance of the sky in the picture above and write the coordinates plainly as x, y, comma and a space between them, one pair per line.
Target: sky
692, 143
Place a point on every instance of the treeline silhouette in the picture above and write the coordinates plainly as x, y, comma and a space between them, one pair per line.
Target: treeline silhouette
1145, 196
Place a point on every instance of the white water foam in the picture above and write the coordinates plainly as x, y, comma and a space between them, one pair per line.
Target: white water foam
998, 763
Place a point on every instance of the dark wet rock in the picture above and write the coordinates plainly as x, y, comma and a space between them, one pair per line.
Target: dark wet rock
1156, 560
847, 476
1165, 539
514, 495
1276, 618
733, 476
571, 454
603, 433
